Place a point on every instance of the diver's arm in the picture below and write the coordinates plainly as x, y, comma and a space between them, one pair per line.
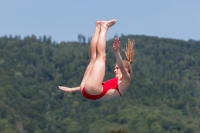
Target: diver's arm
69, 90
119, 61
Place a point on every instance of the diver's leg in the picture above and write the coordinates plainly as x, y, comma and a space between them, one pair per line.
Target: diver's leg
93, 44
93, 83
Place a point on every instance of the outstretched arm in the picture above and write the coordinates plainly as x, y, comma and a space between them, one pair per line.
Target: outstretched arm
69, 90
119, 61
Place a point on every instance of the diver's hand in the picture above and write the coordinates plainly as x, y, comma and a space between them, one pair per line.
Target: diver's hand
116, 45
65, 89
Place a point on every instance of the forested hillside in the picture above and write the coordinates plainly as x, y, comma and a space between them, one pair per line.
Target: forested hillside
164, 95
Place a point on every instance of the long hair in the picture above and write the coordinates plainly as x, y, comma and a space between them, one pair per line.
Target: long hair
129, 54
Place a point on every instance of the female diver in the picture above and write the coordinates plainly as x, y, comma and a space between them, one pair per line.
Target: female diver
92, 86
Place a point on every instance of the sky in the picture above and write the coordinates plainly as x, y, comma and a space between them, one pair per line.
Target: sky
63, 20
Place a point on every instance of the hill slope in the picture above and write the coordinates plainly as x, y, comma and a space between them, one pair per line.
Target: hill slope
163, 96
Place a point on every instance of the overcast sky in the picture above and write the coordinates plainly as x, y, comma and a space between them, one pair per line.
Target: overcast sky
63, 20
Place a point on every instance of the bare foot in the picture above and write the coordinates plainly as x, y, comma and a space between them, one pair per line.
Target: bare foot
98, 24
108, 24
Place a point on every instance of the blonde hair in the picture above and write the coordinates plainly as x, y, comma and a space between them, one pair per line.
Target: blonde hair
129, 54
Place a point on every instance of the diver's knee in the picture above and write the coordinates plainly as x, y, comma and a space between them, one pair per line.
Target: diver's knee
93, 58
102, 56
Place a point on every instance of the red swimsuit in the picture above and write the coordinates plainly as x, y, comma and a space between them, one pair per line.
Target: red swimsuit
107, 85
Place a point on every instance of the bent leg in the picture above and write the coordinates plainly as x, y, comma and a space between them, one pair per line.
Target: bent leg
93, 44
93, 83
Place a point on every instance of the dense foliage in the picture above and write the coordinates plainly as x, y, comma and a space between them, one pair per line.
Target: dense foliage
164, 95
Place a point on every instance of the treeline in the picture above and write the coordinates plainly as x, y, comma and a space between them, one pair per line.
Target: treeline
44, 39
164, 95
